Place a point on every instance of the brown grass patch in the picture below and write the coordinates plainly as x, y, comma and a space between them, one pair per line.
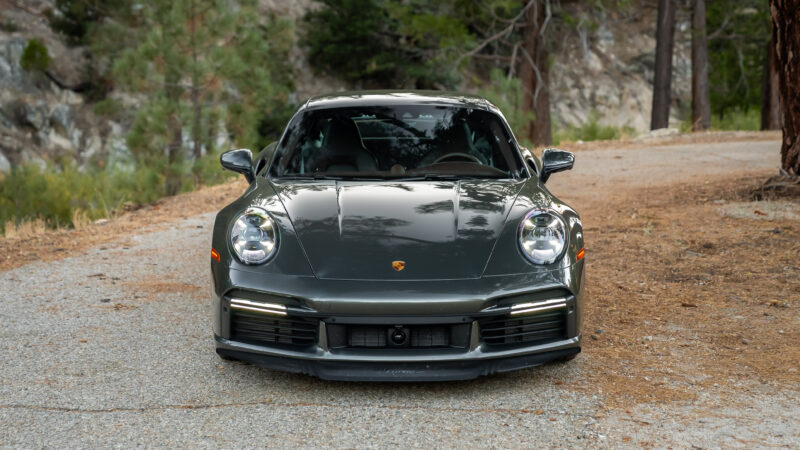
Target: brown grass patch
25, 229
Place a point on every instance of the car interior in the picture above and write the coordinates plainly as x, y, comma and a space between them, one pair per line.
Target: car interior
370, 143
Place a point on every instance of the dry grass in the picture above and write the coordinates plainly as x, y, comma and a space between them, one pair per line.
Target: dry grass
33, 241
25, 230
683, 299
80, 220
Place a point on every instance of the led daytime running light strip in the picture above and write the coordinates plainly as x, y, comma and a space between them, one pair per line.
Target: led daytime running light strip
546, 305
267, 308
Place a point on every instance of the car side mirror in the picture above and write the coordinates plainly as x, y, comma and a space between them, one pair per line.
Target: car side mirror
239, 161
555, 160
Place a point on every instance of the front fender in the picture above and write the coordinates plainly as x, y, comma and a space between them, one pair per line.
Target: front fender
507, 257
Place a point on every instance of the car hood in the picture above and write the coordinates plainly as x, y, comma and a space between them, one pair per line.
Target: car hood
437, 229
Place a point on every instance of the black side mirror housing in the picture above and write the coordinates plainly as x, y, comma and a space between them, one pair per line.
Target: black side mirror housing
555, 160
239, 161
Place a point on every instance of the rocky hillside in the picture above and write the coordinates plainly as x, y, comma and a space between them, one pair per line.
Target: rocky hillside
44, 116
597, 71
608, 72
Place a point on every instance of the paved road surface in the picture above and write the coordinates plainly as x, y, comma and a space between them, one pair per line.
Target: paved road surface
113, 348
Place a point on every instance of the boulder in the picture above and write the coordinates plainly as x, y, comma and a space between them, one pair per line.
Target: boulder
13, 79
31, 114
61, 119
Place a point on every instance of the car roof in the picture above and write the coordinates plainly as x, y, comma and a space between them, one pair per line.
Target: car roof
391, 98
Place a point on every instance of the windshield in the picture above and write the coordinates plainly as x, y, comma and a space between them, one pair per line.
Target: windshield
397, 142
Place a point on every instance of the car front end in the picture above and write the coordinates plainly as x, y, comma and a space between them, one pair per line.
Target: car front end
482, 329
379, 276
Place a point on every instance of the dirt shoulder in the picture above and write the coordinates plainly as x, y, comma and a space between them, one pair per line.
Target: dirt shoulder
686, 297
706, 137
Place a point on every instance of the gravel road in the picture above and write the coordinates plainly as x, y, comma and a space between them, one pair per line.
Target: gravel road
113, 347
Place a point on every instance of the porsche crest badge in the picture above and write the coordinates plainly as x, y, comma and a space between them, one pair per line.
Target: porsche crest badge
398, 265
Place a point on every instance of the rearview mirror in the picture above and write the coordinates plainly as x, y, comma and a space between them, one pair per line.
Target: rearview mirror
239, 161
555, 160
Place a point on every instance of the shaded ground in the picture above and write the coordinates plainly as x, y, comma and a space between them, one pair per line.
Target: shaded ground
691, 333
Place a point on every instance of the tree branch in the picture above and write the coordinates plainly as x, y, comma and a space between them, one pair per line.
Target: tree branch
719, 30
499, 34
539, 82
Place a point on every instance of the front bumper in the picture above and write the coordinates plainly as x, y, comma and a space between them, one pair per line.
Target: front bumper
461, 305
465, 366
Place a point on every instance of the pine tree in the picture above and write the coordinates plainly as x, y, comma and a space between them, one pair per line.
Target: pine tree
201, 64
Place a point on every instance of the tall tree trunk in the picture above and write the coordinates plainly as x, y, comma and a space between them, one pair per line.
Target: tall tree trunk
701, 102
770, 99
195, 94
786, 36
175, 132
663, 71
534, 73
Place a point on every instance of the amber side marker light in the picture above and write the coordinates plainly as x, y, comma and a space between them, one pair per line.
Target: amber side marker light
214, 255
580, 254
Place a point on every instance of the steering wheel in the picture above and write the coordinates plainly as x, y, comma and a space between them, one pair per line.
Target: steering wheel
457, 155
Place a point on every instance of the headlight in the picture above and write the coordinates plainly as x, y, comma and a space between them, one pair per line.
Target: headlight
542, 236
254, 237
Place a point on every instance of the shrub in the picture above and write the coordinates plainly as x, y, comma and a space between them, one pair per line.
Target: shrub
737, 119
8, 25
68, 197
591, 130
35, 56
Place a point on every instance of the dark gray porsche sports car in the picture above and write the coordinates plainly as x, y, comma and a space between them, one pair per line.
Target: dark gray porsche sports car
397, 236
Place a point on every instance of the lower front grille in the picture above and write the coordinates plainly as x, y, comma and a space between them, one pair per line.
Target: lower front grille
262, 329
418, 337
411, 336
529, 330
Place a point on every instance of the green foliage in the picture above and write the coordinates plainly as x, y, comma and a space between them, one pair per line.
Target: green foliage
738, 55
72, 18
507, 94
109, 108
8, 25
55, 194
387, 44
591, 131
209, 171
35, 56
202, 65
737, 119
